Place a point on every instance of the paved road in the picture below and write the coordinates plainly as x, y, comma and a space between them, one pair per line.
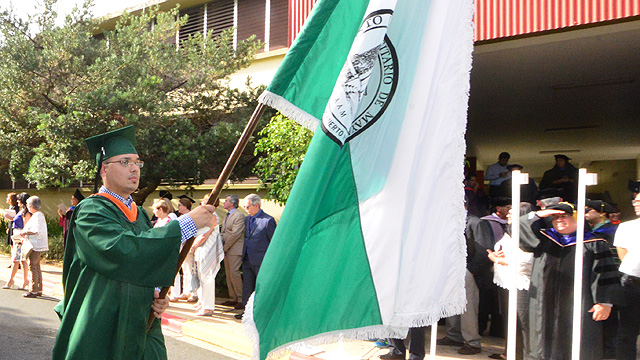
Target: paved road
28, 329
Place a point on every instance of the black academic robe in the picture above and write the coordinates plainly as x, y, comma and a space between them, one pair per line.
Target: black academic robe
551, 290
568, 190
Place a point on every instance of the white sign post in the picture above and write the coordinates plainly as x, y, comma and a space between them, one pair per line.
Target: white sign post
584, 179
517, 179
434, 339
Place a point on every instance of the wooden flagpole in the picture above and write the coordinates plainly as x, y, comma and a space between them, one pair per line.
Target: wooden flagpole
222, 179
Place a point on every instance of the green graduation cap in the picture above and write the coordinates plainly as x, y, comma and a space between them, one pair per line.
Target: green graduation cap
112, 143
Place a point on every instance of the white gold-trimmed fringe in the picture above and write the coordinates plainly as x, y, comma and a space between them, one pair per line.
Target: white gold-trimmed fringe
448, 309
398, 330
250, 328
289, 110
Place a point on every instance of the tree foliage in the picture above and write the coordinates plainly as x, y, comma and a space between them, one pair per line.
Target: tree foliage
61, 84
283, 145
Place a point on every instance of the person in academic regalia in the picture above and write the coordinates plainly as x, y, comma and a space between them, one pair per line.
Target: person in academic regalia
479, 202
66, 216
165, 194
634, 187
563, 176
528, 191
551, 236
114, 260
595, 215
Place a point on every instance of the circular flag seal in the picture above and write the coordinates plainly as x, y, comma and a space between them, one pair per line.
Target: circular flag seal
380, 89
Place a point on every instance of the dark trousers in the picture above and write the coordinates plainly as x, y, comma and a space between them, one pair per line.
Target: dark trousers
610, 333
416, 344
489, 306
629, 321
249, 275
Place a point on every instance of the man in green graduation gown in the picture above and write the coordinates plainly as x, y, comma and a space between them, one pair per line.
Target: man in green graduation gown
114, 260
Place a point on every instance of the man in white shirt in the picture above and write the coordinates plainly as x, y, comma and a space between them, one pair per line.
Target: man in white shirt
627, 242
497, 173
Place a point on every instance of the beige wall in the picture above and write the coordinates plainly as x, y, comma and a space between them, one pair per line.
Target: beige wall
261, 70
51, 198
613, 176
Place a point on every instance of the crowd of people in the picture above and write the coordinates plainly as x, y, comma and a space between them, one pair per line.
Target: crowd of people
544, 261
27, 236
195, 283
240, 240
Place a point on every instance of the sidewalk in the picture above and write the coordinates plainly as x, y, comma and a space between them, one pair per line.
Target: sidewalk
224, 331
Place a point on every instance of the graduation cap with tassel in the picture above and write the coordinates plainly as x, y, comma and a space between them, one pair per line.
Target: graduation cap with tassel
110, 144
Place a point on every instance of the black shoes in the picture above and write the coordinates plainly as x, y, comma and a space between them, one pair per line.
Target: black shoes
392, 356
448, 342
238, 316
236, 305
469, 350
466, 349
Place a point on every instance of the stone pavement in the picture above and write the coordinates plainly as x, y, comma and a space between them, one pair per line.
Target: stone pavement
224, 331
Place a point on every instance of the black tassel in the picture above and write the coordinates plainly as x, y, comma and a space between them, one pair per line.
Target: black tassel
97, 177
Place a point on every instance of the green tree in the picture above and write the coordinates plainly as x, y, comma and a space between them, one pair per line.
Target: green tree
283, 145
61, 84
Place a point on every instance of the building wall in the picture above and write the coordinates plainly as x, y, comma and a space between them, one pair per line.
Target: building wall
261, 70
613, 176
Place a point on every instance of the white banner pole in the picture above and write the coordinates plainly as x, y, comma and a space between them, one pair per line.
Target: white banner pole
517, 179
434, 339
584, 180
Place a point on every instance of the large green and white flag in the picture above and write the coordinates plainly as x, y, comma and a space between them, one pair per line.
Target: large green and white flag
371, 240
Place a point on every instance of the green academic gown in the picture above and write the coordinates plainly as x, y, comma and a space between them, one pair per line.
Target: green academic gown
111, 266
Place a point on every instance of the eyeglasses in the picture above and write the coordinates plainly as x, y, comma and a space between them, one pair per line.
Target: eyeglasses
127, 163
560, 217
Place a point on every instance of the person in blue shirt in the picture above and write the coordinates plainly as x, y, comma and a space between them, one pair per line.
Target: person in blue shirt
497, 173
